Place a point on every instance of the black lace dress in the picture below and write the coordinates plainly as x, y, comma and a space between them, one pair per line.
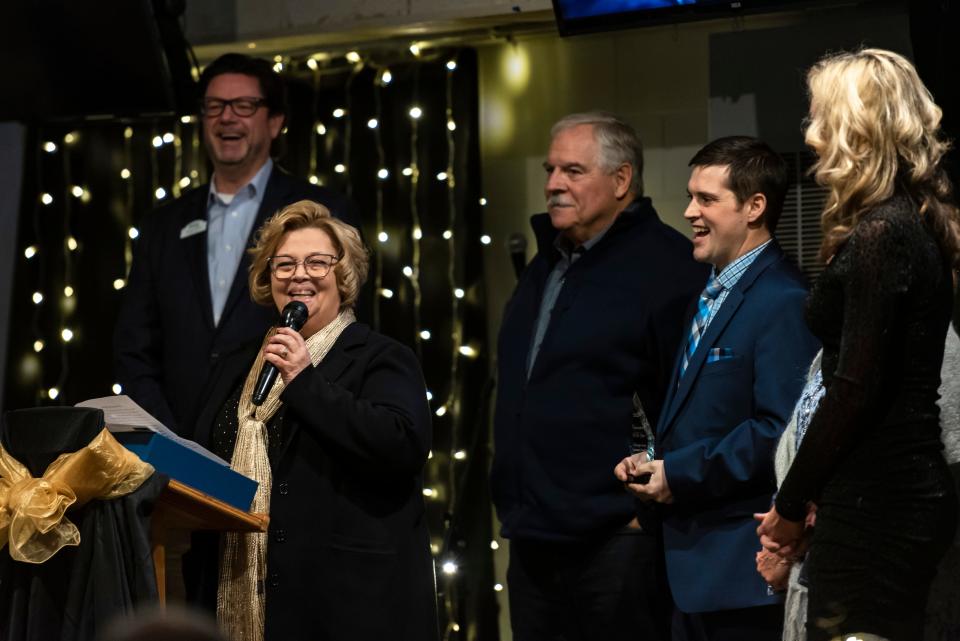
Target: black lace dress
871, 459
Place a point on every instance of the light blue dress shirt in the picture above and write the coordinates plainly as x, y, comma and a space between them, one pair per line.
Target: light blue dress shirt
728, 277
229, 221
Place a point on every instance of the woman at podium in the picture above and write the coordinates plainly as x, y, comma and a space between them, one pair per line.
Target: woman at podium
337, 443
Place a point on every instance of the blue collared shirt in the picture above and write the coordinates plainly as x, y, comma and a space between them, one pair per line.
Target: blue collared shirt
728, 277
228, 228
551, 289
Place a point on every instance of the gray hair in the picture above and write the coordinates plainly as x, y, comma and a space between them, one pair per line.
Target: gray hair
618, 142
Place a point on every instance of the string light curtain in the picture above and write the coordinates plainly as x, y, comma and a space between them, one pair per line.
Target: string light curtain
397, 131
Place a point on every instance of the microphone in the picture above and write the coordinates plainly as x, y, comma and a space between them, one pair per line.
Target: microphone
294, 315
517, 245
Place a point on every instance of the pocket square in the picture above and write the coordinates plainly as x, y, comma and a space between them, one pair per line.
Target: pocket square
719, 354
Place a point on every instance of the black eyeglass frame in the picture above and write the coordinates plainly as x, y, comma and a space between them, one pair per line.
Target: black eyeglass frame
213, 107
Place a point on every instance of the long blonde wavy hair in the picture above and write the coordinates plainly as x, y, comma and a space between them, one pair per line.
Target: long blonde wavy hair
872, 123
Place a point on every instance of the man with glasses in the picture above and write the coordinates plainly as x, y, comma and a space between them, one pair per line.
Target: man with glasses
186, 303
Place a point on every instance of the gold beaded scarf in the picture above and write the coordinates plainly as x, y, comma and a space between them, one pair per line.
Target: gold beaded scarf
241, 597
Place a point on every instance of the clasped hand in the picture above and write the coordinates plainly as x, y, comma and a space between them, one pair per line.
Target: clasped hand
656, 489
782, 537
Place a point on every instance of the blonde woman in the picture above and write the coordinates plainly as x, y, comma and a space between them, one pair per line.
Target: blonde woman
338, 447
871, 459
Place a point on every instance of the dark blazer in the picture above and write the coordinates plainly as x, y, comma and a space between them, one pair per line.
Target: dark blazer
348, 556
614, 331
718, 432
165, 342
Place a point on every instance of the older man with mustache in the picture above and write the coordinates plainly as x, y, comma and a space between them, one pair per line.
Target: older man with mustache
584, 356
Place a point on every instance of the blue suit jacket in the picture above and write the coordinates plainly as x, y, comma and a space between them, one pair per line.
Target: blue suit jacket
718, 431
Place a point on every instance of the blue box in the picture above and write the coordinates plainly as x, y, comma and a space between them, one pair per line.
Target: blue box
190, 467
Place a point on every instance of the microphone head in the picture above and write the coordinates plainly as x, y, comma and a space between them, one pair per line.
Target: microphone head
294, 315
517, 243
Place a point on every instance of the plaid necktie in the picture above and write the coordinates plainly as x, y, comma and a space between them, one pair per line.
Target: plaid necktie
709, 294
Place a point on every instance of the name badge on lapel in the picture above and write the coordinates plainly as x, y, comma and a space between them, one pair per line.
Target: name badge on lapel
193, 228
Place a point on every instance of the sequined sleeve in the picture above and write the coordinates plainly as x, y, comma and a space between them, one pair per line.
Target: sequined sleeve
875, 274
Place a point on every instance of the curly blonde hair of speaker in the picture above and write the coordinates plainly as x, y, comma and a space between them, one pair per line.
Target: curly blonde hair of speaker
872, 122
351, 269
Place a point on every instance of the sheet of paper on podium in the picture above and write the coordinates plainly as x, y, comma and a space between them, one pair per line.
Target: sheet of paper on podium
171, 454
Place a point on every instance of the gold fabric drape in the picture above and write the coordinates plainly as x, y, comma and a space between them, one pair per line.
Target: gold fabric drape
32, 510
241, 597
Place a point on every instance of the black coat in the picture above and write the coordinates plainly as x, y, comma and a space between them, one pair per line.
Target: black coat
348, 556
614, 330
165, 342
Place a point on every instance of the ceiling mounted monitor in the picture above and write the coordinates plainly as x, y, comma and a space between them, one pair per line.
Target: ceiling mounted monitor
584, 16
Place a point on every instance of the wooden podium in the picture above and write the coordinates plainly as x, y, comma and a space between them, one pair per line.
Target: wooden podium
180, 507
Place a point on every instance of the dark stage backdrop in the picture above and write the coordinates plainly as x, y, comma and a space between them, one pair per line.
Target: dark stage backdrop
397, 132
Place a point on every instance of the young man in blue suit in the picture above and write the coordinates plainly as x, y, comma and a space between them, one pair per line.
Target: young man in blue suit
735, 383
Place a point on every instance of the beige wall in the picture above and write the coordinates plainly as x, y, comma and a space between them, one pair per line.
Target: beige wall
656, 78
